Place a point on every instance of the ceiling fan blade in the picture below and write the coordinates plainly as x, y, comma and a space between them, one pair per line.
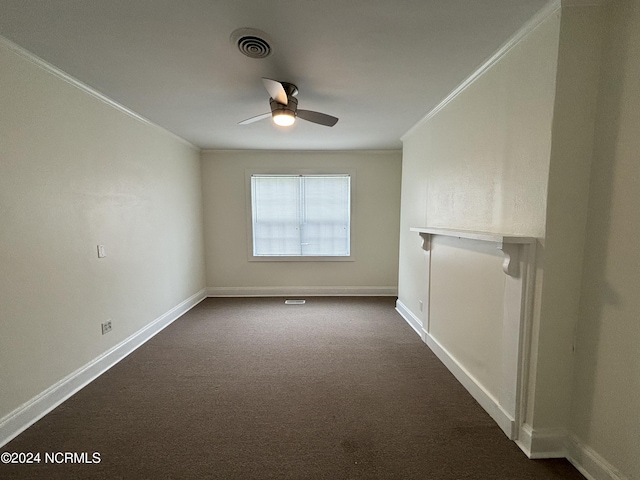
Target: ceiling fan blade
276, 90
317, 117
254, 119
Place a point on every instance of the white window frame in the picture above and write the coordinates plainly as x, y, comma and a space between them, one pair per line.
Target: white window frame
301, 258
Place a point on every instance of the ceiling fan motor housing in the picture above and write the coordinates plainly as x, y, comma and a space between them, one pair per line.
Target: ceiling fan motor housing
292, 106
284, 107
290, 89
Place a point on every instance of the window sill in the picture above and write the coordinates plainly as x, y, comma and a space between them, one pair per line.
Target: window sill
278, 258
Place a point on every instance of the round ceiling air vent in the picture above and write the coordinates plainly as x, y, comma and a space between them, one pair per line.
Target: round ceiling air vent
252, 42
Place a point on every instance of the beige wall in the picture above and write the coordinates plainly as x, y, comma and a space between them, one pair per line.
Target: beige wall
513, 152
375, 222
466, 306
483, 160
565, 217
76, 172
480, 163
605, 412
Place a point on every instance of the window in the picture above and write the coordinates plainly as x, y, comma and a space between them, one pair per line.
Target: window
301, 216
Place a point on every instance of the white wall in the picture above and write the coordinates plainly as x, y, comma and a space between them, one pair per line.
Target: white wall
76, 172
510, 153
375, 219
605, 413
466, 306
513, 152
481, 162
577, 78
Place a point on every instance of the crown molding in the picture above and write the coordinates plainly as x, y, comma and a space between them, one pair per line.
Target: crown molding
330, 152
62, 75
585, 3
551, 8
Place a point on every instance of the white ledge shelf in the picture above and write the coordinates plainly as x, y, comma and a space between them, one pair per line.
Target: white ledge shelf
484, 236
519, 266
509, 244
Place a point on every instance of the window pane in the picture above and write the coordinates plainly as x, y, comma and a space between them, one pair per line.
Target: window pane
301, 215
276, 215
325, 216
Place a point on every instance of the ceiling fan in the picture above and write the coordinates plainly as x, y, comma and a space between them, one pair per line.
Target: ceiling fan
284, 107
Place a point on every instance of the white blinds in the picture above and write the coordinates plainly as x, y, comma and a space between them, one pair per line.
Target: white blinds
301, 215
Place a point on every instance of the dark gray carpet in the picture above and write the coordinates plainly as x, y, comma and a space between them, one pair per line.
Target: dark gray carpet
338, 388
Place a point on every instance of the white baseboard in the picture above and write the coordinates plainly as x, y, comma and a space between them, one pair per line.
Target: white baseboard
556, 443
468, 381
542, 443
27, 414
474, 387
293, 291
589, 462
536, 444
413, 321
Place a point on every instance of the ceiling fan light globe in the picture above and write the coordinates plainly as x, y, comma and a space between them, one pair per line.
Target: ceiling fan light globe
284, 119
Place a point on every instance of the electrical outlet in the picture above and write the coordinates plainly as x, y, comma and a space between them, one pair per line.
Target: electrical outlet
101, 251
106, 327
421, 305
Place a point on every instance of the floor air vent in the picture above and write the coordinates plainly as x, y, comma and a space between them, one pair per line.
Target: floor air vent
294, 302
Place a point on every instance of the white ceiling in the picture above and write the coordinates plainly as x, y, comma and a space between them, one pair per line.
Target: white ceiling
378, 65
